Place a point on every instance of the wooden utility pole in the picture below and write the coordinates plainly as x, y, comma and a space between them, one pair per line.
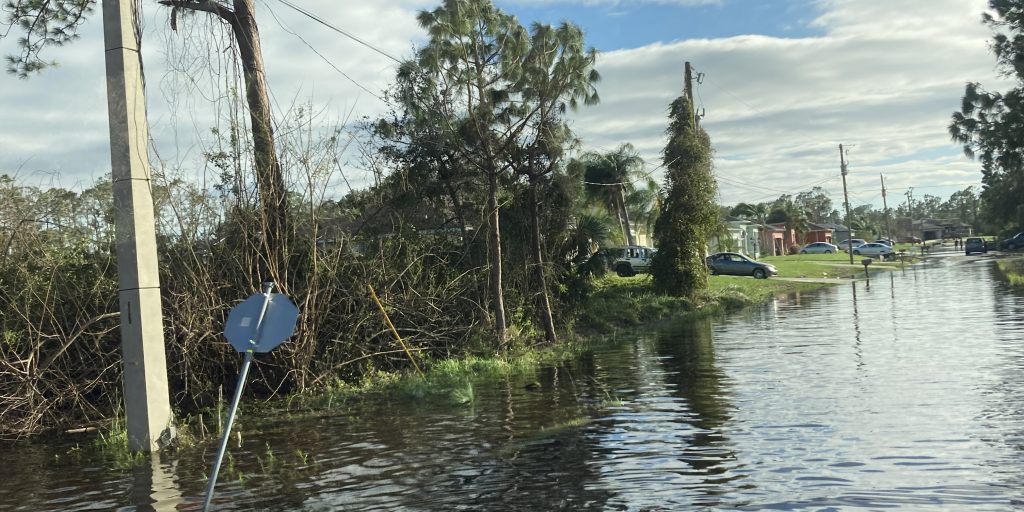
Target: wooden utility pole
910, 210
630, 239
885, 207
846, 201
146, 396
688, 86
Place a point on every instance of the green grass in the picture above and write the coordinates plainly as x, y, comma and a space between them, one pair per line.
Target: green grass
825, 265
754, 291
627, 303
1013, 270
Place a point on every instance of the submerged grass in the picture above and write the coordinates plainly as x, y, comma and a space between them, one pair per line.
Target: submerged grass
1013, 270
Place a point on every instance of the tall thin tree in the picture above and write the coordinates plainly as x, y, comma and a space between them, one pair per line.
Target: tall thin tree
558, 74
688, 213
477, 50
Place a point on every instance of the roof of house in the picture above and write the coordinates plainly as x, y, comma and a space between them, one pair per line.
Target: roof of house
828, 225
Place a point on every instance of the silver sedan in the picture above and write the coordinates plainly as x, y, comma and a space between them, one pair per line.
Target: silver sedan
873, 250
819, 248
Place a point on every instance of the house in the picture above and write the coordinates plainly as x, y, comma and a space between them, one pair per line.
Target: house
937, 229
773, 240
818, 233
740, 235
826, 232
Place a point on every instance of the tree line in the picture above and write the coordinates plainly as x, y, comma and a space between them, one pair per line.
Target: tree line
815, 206
481, 234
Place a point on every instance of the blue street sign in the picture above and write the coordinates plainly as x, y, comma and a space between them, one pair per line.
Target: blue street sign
245, 331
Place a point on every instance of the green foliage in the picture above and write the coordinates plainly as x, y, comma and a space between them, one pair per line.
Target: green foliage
988, 123
1013, 270
609, 177
43, 23
688, 212
479, 139
815, 204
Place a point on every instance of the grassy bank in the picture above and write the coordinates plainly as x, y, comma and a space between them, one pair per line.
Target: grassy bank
1013, 270
828, 265
624, 303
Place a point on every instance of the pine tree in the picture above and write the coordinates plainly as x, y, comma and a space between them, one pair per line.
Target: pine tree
989, 123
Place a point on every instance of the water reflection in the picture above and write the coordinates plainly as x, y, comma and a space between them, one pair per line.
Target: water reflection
664, 446
153, 487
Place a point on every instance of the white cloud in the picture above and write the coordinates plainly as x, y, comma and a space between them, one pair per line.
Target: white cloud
778, 108
616, 3
881, 76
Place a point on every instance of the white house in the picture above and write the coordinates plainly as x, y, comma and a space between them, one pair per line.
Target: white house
742, 236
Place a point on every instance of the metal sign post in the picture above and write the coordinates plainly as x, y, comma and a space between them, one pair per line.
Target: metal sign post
259, 324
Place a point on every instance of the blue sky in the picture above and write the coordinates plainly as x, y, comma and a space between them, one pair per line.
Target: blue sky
619, 25
785, 82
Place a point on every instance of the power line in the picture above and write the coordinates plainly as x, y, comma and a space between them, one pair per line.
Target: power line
737, 98
324, 58
338, 30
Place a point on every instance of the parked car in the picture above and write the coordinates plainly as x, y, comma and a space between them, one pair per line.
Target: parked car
736, 264
910, 240
873, 249
886, 241
856, 242
819, 248
1013, 243
632, 259
975, 244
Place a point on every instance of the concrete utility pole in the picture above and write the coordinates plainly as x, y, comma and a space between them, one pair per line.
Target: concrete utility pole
846, 201
146, 396
885, 207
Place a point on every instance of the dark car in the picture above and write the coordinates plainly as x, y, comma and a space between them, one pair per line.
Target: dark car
1013, 243
975, 244
736, 264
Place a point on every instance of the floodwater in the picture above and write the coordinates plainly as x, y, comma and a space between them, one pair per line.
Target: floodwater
902, 392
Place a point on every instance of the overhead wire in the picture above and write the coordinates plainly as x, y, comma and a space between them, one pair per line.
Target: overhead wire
325, 23
317, 52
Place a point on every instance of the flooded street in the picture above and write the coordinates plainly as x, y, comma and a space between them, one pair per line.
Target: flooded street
902, 392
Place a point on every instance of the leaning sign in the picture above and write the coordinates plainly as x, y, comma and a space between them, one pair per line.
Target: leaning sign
259, 324
245, 331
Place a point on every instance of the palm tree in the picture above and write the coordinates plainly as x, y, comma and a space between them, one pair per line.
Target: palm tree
644, 204
758, 212
608, 179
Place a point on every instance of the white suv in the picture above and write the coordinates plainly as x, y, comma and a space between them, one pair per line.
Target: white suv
632, 259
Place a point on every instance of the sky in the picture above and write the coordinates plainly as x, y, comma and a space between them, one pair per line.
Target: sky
782, 84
